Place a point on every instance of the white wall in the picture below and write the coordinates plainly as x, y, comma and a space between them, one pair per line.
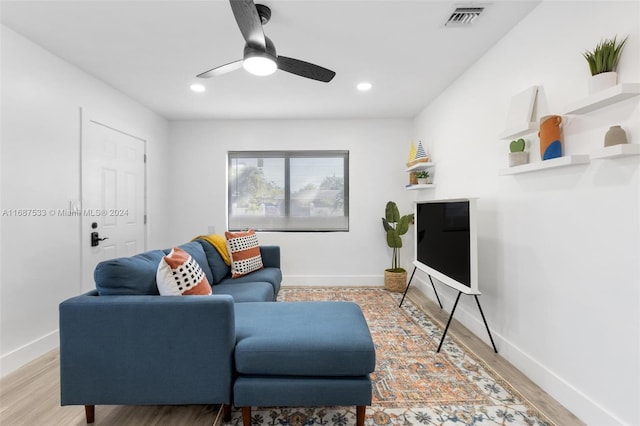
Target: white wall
376, 147
41, 100
559, 249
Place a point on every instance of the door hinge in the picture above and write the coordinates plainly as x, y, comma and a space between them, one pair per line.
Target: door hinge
144, 157
145, 219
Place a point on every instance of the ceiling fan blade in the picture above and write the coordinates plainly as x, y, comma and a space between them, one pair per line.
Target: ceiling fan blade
249, 22
223, 69
305, 69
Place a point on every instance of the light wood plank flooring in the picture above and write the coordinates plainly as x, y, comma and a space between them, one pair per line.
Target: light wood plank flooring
31, 395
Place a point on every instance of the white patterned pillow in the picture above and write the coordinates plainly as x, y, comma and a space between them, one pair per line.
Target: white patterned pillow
245, 252
179, 274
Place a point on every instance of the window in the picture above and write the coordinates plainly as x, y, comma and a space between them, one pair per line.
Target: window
289, 190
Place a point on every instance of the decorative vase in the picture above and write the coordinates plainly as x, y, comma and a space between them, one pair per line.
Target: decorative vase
602, 81
422, 181
550, 137
518, 158
412, 178
395, 281
615, 136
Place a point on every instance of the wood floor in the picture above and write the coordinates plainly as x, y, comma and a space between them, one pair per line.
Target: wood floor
31, 395
532, 392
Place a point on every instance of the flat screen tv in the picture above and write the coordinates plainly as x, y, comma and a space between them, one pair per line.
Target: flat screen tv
446, 242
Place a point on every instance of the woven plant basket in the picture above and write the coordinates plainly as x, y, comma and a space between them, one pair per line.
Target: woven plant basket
395, 281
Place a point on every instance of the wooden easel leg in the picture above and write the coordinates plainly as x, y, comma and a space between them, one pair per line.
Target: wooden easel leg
449, 322
407, 289
246, 416
360, 414
485, 324
89, 412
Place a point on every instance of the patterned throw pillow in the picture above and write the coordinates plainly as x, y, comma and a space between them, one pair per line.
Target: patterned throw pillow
245, 252
179, 274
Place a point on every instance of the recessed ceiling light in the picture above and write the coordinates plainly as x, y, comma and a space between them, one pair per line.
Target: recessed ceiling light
364, 86
198, 88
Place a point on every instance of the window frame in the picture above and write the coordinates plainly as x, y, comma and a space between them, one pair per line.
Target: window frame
287, 155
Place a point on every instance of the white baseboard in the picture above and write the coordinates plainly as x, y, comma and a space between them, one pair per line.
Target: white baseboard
333, 281
23, 355
562, 391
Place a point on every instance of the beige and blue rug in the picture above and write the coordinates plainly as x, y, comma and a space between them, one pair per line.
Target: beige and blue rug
412, 384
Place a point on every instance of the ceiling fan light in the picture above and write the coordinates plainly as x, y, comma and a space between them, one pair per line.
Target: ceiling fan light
260, 65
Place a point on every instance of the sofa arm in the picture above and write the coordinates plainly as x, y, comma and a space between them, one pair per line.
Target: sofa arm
270, 256
146, 349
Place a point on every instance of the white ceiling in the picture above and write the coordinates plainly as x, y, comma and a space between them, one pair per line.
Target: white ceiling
152, 50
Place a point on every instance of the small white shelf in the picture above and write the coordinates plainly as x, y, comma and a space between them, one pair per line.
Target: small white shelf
418, 186
421, 166
616, 151
521, 130
570, 160
604, 98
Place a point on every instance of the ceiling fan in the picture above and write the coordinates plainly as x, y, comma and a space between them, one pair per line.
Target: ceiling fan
260, 56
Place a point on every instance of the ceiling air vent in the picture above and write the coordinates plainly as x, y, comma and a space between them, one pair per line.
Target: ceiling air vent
464, 16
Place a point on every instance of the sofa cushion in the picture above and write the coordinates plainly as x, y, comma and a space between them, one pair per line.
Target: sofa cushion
179, 274
134, 275
303, 339
246, 292
245, 252
219, 268
270, 275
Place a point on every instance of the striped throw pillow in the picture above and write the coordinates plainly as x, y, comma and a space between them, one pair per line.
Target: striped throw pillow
245, 252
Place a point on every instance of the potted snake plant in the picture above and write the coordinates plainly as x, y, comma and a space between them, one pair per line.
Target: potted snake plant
603, 62
395, 226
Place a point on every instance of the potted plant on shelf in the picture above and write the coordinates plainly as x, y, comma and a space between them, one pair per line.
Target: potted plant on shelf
422, 176
603, 62
395, 278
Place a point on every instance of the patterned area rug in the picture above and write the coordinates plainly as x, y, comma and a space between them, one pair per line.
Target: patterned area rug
412, 384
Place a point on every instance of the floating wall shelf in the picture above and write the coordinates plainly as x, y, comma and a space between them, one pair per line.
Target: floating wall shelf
569, 160
421, 166
604, 98
617, 151
418, 186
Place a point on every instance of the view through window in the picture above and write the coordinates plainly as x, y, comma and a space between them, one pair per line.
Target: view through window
289, 190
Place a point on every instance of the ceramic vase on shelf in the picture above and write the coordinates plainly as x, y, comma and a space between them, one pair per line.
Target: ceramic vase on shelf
412, 178
602, 81
615, 136
550, 136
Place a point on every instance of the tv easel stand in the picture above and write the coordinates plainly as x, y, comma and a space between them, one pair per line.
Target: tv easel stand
452, 310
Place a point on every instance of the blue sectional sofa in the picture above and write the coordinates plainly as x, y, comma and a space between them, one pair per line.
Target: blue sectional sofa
123, 344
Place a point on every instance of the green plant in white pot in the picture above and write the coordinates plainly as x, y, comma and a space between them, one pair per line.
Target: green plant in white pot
603, 63
422, 176
395, 226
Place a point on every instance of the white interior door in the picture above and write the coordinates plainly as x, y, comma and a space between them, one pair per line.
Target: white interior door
113, 195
